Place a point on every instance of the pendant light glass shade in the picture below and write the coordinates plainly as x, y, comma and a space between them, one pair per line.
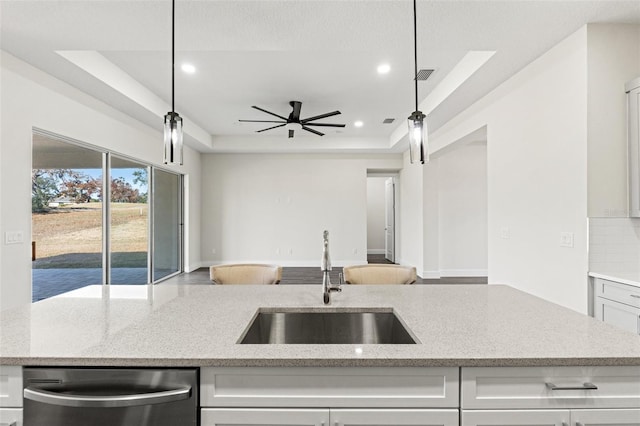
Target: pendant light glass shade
172, 138
418, 138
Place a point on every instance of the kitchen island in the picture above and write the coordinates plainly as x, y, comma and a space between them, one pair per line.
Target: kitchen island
200, 325
484, 354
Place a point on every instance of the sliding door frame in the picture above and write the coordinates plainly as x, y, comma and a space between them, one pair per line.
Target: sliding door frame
106, 206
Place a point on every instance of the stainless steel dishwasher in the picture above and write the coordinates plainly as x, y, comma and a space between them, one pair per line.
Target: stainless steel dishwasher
110, 397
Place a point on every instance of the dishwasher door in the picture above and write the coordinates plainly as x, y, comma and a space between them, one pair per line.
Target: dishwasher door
110, 397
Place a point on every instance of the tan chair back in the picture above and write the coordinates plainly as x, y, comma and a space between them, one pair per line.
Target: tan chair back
248, 273
379, 274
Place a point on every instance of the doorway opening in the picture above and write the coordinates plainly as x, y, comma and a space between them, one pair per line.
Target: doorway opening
382, 190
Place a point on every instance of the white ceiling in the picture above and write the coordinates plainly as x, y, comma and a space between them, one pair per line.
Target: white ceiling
267, 53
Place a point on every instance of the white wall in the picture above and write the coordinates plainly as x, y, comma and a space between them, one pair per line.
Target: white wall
462, 192
613, 58
30, 99
536, 167
274, 208
375, 214
411, 247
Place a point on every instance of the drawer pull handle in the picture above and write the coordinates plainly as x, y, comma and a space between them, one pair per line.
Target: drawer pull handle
637, 296
585, 386
579, 424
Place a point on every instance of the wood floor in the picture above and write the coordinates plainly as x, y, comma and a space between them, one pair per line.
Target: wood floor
303, 275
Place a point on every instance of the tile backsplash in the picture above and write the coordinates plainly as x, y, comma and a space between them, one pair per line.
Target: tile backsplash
614, 245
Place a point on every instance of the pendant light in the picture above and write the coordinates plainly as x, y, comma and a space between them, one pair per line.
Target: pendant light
418, 135
173, 121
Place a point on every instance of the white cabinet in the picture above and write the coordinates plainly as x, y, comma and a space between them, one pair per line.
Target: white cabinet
516, 418
551, 396
605, 417
551, 418
329, 396
633, 134
384, 417
617, 304
10, 395
263, 417
325, 417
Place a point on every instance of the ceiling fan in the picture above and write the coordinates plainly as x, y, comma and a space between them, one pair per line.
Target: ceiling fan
294, 122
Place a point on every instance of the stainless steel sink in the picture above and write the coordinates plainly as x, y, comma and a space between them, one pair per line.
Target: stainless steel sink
327, 327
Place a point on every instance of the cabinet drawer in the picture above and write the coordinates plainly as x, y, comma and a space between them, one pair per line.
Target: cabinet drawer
531, 387
329, 387
516, 417
623, 293
618, 314
10, 386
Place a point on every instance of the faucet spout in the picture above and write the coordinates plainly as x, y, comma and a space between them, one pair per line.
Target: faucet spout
325, 267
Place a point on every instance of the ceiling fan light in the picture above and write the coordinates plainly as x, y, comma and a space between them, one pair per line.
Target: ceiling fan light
173, 139
294, 126
418, 138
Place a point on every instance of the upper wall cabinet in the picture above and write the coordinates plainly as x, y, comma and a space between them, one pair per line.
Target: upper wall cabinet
633, 119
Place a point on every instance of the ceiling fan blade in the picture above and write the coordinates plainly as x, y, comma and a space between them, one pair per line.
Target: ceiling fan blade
261, 121
312, 131
268, 112
324, 124
318, 117
290, 133
295, 114
269, 128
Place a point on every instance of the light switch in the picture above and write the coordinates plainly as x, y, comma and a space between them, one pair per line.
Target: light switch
13, 237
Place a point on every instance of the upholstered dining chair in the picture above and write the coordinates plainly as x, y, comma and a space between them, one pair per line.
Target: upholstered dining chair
245, 273
379, 274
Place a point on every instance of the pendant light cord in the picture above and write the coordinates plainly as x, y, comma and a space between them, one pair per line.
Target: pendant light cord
173, 57
415, 51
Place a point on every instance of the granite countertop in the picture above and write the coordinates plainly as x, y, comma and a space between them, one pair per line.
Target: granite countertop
199, 325
621, 276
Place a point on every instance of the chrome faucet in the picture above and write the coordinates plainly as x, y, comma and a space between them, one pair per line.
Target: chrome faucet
327, 288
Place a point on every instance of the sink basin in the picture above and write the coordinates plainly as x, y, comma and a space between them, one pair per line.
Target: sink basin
322, 327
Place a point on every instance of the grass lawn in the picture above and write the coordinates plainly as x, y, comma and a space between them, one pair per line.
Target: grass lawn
71, 237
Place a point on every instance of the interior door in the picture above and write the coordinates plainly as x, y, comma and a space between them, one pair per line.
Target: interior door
389, 220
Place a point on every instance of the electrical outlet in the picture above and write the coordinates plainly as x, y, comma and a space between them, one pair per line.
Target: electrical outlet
290, 251
505, 233
213, 251
355, 251
566, 239
278, 250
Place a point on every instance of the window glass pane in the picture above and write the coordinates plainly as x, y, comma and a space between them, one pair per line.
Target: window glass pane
66, 213
129, 221
166, 223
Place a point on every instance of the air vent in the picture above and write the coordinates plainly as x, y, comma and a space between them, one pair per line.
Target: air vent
424, 74
388, 120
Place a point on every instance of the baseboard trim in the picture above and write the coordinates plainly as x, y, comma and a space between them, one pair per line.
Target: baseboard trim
430, 274
288, 263
464, 272
376, 251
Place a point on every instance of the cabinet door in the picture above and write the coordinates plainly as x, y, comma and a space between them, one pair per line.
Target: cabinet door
516, 418
393, 417
618, 314
10, 416
263, 417
605, 417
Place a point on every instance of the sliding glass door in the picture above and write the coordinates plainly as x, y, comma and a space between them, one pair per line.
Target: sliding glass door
129, 222
167, 224
100, 218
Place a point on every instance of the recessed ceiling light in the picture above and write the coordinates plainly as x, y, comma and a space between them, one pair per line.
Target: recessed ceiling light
188, 68
384, 68
358, 123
